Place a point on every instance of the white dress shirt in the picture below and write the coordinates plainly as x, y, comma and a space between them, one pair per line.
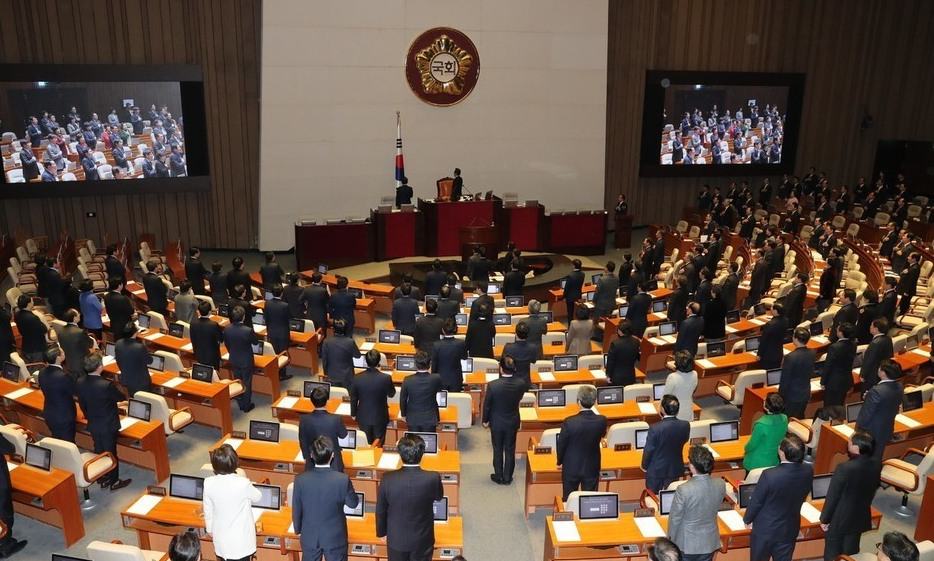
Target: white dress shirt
228, 514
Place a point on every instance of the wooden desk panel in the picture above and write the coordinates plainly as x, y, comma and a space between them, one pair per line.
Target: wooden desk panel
57, 495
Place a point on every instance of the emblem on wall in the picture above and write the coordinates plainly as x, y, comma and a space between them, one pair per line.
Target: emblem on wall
442, 66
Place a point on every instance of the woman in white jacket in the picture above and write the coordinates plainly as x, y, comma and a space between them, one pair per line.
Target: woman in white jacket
228, 507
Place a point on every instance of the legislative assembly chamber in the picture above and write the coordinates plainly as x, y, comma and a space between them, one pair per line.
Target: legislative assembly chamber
656, 285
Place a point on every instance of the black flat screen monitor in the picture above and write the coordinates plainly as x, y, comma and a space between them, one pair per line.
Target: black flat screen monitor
745, 494
641, 436
816, 328
430, 439
912, 400
11, 371
732, 316
502, 319
176, 330
658, 391
297, 325
603, 506
202, 372
667, 328
349, 442
157, 362
773, 377
716, 349
265, 431
665, 498
724, 432
852, 411
439, 510
609, 394
466, 365
186, 487
752, 344
565, 363
405, 363
552, 398
461, 319
515, 301
819, 486
659, 306
357, 511
390, 336
309, 386
270, 496
139, 409
38, 457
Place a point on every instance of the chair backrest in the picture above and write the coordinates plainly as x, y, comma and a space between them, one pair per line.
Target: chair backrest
157, 320
553, 337
16, 438
338, 393
924, 469
739, 347
173, 362
68, 176
104, 551
105, 171
633, 391
701, 428
899, 342
682, 226
925, 550
838, 222
585, 362
624, 433
503, 338
549, 438
464, 405
852, 230
288, 432
882, 218
159, 412
571, 391
753, 475
66, 456
13, 294
481, 364
16, 359
745, 380
694, 232
573, 503
514, 320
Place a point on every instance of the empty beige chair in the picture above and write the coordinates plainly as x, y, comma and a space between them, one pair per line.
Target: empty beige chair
515, 319
915, 317
624, 433
839, 221
852, 230
553, 338
858, 211
338, 393
571, 391
464, 404
681, 227
541, 366
528, 398
882, 218
173, 363
103, 551
481, 364
549, 438
288, 432
503, 339
406, 340
634, 391
701, 429
573, 503
734, 393
157, 321
907, 477
174, 420
269, 351
694, 232
87, 467
590, 362
13, 433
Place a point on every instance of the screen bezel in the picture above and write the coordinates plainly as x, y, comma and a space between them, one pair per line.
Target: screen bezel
605, 390
313, 384
361, 505
538, 397
47, 454
258, 421
146, 406
721, 423
421, 435
272, 508
390, 334
174, 476
583, 498
818, 478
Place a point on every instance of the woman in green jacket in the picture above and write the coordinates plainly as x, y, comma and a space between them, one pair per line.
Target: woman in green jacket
767, 433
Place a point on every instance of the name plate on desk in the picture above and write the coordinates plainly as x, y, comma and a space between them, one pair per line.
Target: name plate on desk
363, 474
542, 450
448, 427
697, 441
607, 474
362, 549
449, 477
566, 516
643, 512
622, 447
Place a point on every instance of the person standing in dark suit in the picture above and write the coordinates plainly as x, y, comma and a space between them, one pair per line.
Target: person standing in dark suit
868, 313
889, 300
270, 272
604, 298
337, 354
112, 265
795, 384
342, 304
239, 339
478, 268
480, 332
828, 288
794, 300
663, 455
848, 313
775, 507
404, 193
837, 375
316, 302
56, 290
658, 252
58, 391
292, 294
237, 276
578, 447
447, 306
418, 401
404, 311
457, 190
8, 545
457, 294
99, 399
33, 330
133, 361
715, 315
318, 423
195, 271
318, 500
369, 398
908, 282
119, 308
638, 310
436, 277
522, 351
690, 330
759, 281
206, 337
277, 317
729, 287
538, 327
218, 281
75, 342
772, 337
501, 416
877, 415
678, 303
879, 349
446, 358
514, 281
404, 505
573, 287
623, 356
481, 298
156, 289
428, 328
847, 511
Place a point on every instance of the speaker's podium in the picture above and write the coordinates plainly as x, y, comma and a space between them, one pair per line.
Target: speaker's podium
450, 224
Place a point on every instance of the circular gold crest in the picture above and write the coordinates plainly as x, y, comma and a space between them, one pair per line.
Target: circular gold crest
442, 66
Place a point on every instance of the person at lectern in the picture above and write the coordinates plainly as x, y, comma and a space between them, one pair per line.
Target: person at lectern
403, 193
458, 188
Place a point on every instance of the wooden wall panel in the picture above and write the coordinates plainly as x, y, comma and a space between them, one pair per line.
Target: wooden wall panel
223, 36
870, 55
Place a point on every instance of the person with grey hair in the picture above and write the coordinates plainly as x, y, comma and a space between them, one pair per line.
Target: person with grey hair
538, 325
664, 550
682, 382
578, 446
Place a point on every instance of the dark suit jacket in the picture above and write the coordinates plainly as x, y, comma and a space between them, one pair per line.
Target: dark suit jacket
639, 307
277, 316
794, 304
115, 268
448, 308
270, 273
849, 499
879, 349
156, 293
337, 354
341, 306
770, 351
728, 291
574, 285
837, 375
677, 304
663, 456
318, 501
888, 305
501, 404
908, 280
621, 361
689, 332
239, 339
98, 398
796, 375
446, 362
604, 298
320, 423
292, 294
759, 281
877, 416
238, 276
404, 508
196, 273
775, 507
828, 283
403, 314
715, 319
76, 344
427, 332
120, 310
133, 360
478, 269
538, 326
846, 314
58, 389
418, 401
369, 397
479, 339
513, 283
206, 338
524, 353
315, 298
475, 309
32, 330
434, 280
579, 445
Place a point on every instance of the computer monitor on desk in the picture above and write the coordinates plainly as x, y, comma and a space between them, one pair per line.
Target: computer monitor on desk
186, 487
467, 365
176, 330
139, 409
405, 363
852, 411
659, 306
641, 436
609, 394
732, 316
602, 506
439, 510
11, 371
752, 344
270, 497
912, 400
143, 321
265, 431
390, 336
816, 328
309, 386
658, 391
552, 398
565, 363
460, 319
745, 494
357, 511
665, 498
156, 362
38, 457
202, 372
715, 349
667, 328
773, 377
502, 319
515, 301
349, 442
724, 432
430, 438
820, 484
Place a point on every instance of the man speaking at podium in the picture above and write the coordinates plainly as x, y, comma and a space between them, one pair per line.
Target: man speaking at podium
458, 188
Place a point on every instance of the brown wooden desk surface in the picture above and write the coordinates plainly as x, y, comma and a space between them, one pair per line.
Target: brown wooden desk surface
57, 491
554, 326
613, 412
303, 405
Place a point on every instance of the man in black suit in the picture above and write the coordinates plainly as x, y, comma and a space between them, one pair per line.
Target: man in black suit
446, 356
447, 306
315, 298
868, 313
759, 281
277, 317
218, 281
239, 339
33, 330
58, 389
795, 385
794, 300
513, 281
501, 416
119, 308
538, 326
837, 374
457, 294
436, 278
270, 272
342, 304
522, 351
848, 312
404, 193
318, 500
678, 303
75, 342
195, 271
482, 298
99, 399
237, 276
404, 310
775, 507
638, 310
112, 265
908, 282
690, 330
428, 328
889, 303
206, 337
658, 253
292, 294
879, 349
573, 287
881, 405
418, 399
663, 456
240, 298
457, 189
320, 423
369, 398
133, 360
579, 445
847, 508
337, 354
156, 289
404, 505
56, 287
478, 267
623, 356
772, 337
